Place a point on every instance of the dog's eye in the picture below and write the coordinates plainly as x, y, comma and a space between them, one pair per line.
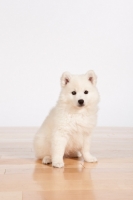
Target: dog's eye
85, 92
73, 92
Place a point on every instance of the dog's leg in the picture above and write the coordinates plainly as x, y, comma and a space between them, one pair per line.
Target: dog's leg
58, 149
86, 150
47, 160
41, 147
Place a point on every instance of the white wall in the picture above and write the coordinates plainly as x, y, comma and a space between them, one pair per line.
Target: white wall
40, 39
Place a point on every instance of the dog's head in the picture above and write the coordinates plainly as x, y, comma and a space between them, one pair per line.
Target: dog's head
79, 90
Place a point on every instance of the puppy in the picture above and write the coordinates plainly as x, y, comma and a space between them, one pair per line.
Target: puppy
68, 127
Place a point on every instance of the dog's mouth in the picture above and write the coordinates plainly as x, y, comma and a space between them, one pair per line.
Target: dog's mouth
81, 105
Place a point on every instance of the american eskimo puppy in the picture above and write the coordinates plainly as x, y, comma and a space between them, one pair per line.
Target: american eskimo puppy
68, 127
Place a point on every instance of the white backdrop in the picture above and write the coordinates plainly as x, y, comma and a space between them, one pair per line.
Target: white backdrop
40, 39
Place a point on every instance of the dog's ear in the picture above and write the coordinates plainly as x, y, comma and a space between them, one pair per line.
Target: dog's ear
92, 77
65, 78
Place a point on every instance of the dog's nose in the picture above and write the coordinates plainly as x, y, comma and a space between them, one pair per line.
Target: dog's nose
81, 101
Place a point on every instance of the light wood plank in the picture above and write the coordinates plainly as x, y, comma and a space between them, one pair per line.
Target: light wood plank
79, 195
57, 185
11, 195
2, 171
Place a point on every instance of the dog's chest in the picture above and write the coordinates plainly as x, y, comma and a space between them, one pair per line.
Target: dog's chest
79, 123
78, 126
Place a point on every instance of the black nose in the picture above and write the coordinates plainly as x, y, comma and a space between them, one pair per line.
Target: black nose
81, 101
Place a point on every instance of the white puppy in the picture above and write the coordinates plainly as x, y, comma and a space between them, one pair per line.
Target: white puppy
67, 129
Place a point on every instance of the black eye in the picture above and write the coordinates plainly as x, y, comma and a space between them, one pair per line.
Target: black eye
73, 92
86, 92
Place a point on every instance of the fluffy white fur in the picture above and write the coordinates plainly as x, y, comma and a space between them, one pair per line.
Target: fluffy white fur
68, 127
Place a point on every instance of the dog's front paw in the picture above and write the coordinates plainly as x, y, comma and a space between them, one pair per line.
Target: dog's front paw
46, 160
90, 158
58, 163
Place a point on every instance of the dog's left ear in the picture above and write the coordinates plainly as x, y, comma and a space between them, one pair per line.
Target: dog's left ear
65, 78
91, 77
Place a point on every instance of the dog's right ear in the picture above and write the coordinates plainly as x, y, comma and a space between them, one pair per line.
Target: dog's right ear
65, 78
92, 77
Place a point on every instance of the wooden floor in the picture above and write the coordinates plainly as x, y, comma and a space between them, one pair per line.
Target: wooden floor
23, 177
